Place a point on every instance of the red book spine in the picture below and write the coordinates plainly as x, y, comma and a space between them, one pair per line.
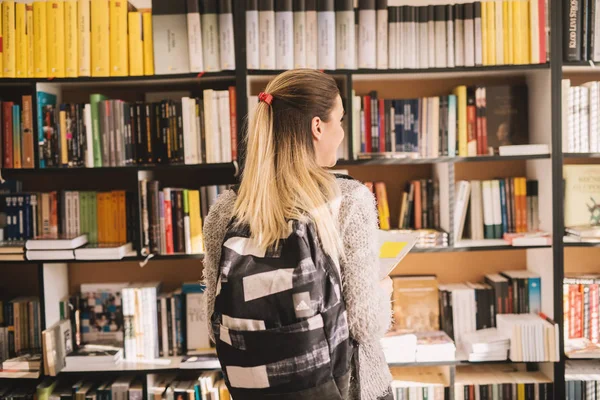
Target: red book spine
169, 223
509, 304
594, 312
542, 28
8, 133
472, 124
233, 122
53, 213
367, 112
381, 126
578, 312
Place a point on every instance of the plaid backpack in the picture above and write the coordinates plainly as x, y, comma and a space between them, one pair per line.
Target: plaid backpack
279, 321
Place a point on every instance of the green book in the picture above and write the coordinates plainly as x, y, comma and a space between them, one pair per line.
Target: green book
44, 389
83, 226
94, 216
96, 134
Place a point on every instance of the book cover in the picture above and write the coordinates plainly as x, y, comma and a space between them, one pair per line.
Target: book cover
119, 52
136, 44
507, 115
102, 313
226, 35
415, 304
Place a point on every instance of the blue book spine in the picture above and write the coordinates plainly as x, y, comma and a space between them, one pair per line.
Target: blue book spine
503, 207
8, 234
535, 295
43, 99
399, 117
415, 125
179, 322
452, 124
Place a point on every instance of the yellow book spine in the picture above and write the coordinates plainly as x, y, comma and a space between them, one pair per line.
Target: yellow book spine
71, 44
517, 33
100, 41
197, 239
55, 13
484, 34
64, 156
40, 45
21, 39
505, 33
84, 27
136, 45
9, 55
30, 44
119, 57
491, 34
511, 32
1, 40
148, 43
122, 217
461, 100
526, 31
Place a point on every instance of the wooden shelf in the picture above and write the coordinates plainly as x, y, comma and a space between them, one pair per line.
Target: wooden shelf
150, 167
437, 160
191, 77
124, 259
581, 155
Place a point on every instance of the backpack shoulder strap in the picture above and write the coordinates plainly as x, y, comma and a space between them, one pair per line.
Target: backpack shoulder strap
344, 176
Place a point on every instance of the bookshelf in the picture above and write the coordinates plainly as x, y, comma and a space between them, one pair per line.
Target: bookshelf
459, 262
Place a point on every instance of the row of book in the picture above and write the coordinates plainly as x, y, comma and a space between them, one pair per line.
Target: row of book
74, 38
581, 117
504, 381
581, 31
422, 347
581, 297
324, 35
113, 133
470, 122
581, 380
20, 327
419, 383
496, 208
16, 130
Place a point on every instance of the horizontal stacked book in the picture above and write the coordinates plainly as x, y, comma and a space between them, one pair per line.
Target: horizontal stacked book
72, 38
114, 133
20, 328
324, 35
495, 208
472, 121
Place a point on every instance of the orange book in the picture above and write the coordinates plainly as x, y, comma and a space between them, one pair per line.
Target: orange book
54, 214
122, 218
27, 129
114, 217
382, 206
417, 205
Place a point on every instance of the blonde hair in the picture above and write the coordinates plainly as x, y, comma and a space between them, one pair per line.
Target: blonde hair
281, 180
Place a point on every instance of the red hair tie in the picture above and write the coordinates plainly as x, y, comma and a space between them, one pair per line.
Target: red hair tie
266, 97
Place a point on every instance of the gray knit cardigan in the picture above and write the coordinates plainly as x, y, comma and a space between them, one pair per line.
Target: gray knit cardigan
369, 310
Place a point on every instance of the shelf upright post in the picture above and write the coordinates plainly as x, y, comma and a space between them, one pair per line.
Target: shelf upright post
556, 60
241, 78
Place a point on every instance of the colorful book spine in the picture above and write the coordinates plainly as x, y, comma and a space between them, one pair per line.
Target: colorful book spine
40, 34
21, 39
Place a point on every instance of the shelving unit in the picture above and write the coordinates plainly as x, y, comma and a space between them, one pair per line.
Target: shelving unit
51, 281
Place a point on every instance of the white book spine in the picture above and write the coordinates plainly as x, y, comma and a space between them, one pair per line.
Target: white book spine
440, 39
476, 211
266, 24
434, 127
226, 42
187, 235
478, 44
401, 42
208, 126
367, 47
423, 40
593, 118
252, 52
84, 27
431, 46
225, 126
76, 214
570, 142
450, 37
195, 42
576, 123
497, 209
460, 210
312, 35
534, 32
356, 104
382, 39
199, 145
469, 43
499, 34
488, 205
164, 326
584, 128
89, 152
185, 110
345, 37
412, 33
459, 36
299, 39
392, 42
210, 42
284, 40
326, 40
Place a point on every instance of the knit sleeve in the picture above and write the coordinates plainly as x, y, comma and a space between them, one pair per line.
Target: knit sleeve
368, 307
215, 227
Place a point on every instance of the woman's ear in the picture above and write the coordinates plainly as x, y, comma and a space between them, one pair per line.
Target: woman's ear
316, 127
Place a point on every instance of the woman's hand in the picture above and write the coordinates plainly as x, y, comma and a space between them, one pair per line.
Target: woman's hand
387, 285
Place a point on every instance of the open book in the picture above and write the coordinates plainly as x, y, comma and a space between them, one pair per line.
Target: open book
393, 247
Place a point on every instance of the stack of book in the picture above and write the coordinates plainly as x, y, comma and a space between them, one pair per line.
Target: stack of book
533, 338
497, 207
171, 220
434, 346
114, 133
12, 250
124, 387
399, 348
23, 363
581, 31
472, 121
581, 298
16, 134
20, 327
583, 234
419, 383
208, 385
486, 345
55, 39
60, 247
501, 381
312, 34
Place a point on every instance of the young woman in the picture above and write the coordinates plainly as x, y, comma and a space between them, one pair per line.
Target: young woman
293, 139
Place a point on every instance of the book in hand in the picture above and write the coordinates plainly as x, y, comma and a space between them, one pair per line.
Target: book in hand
96, 355
394, 246
104, 251
59, 242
